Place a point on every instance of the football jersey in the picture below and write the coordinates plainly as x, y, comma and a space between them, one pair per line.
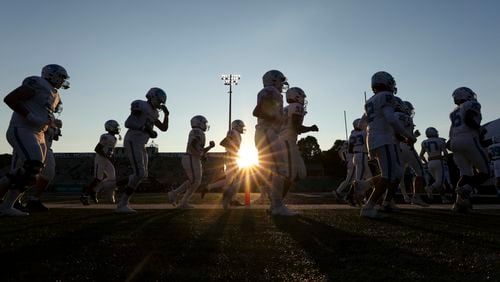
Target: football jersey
434, 146
288, 130
270, 102
457, 117
357, 140
494, 151
108, 143
405, 120
42, 104
234, 137
136, 122
379, 130
198, 135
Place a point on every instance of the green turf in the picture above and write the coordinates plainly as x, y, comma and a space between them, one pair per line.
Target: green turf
319, 245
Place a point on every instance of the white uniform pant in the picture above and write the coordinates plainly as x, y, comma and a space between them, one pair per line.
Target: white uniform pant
270, 150
436, 169
388, 161
49, 169
496, 167
138, 157
360, 161
104, 170
26, 145
410, 158
468, 154
193, 169
294, 164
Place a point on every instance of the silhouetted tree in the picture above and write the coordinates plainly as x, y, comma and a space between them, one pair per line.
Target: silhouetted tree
309, 149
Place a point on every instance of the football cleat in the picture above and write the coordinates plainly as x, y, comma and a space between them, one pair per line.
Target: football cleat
93, 196
12, 212
390, 207
407, 199
416, 200
283, 211
85, 200
370, 213
171, 198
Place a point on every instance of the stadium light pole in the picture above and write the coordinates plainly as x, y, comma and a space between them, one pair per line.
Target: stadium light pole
230, 79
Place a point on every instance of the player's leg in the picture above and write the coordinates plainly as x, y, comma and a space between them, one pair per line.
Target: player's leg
419, 182
196, 168
138, 159
264, 174
43, 180
27, 146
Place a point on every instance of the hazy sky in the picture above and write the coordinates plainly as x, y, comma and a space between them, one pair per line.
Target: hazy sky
115, 51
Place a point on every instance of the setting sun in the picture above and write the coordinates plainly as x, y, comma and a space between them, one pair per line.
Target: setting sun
247, 156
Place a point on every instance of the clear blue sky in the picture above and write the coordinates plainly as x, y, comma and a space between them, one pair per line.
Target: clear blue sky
115, 51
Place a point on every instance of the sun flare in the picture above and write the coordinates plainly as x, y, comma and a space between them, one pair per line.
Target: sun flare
247, 157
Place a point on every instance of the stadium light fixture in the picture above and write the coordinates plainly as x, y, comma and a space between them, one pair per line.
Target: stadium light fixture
230, 79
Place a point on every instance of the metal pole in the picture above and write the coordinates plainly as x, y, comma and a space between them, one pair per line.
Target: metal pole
230, 96
345, 124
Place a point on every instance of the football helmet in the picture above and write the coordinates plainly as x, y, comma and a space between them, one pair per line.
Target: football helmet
463, 94
112, 126
157, 97
238, 125
276, 79
296, 95
431, 132
383, 81
199, 122
58, 123
56, 75
355, 123
399, 105
410, 110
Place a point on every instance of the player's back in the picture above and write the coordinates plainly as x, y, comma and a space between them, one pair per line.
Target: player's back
457, 117
379, 130
433, 146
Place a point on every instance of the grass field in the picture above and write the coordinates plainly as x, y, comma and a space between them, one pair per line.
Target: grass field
249, 244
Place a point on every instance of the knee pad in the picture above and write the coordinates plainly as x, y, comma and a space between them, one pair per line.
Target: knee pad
26, 176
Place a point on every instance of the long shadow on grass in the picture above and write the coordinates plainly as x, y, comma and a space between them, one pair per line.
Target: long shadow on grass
346, 256
75, 250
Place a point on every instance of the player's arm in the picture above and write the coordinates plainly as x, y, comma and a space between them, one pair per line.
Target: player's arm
211, 144
391, 117
163, 126
299, 128
99, 149
470, 119
350, 144
267, 109
15, 99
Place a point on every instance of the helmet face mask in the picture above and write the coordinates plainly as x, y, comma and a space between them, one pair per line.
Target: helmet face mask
238, 125
56, 75
112, 126
157, 97
383, 81
200, 122
431, 132
276, 79
463, 94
